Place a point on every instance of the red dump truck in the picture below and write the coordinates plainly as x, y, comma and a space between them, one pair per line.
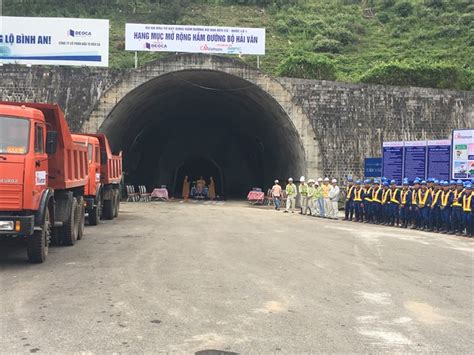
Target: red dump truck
43, 174
102, 191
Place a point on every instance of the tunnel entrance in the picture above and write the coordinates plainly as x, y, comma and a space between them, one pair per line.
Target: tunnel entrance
204, 122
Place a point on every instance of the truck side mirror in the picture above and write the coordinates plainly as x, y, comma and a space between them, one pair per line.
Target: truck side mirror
51, 142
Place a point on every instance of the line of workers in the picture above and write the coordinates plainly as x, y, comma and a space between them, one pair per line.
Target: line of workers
431, 205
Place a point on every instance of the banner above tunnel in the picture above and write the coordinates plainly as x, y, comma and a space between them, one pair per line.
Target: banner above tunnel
54, 41
194, 39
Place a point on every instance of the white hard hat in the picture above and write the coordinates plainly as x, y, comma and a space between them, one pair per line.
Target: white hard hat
320, 179
326, 179
302, 179
317, 183
276, 181
334, 181
290, 179
310, 181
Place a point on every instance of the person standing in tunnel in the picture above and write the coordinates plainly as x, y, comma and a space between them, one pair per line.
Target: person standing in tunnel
212, 189
304, 195
325, 188
290, 196
276, 194
334, 193
185, 191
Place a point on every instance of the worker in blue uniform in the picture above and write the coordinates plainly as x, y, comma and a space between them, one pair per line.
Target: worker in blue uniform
414, 213
424, 204
367, 200
385, 213
404, 206
358, 196
445, 207
457, 213
435, 211
468, 209
349, 204
394, 204
376, 202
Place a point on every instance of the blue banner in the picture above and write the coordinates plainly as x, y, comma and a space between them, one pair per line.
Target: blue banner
438, 163
392, 167
373, 167
415, 160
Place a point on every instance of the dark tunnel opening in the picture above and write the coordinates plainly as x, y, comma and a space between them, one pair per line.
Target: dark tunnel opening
204, 123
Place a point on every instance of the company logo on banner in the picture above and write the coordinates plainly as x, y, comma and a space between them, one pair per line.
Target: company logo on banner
54, 41
463, 154
194, 39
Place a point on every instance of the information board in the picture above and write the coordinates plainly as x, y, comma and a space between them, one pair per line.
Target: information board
414, 160
462, 154
392, 167
54, 41
373, 167
438, 160
194, 39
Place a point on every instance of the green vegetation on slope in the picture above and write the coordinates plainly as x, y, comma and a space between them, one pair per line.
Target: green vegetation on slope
395, 42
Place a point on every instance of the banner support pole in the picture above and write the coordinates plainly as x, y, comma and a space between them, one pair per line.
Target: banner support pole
136, 59
258, 62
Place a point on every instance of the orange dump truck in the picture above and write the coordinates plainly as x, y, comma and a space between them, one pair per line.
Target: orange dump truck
102, 191
43, 174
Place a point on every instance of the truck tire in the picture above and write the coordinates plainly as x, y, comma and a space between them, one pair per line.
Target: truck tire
117, 204
108, 211
82, 210
71, 226
94, 215
38, 244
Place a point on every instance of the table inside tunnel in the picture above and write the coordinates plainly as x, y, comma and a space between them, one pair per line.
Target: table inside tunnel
160, 194
256, 196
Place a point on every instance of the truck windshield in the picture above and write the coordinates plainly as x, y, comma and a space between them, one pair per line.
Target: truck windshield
14, 135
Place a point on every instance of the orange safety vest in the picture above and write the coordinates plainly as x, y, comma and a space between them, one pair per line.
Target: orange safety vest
385, 196
445, 197
404, 196
349, 191
393, 197
456, 202
466, 202
435, 197
422, 199
357, 195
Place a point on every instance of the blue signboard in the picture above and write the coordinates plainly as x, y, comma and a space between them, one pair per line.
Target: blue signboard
438, 162
373, 167
415, 160
392, 166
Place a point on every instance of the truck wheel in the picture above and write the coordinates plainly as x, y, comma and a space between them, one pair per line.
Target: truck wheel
94, 215
117, 204
38, 244
82, 209
109, 208
71, 226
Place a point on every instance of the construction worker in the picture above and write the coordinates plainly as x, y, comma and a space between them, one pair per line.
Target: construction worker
457, 212
386, 193
468, 209
430, 184
304, 195
334, 194
290, 196
310, 193
394, 204
424, 204
414, 213
317, 198
435, 212
276, 194
445, 207
368, 188
349, 203
326, 187
376, 202
358, 193
405, 203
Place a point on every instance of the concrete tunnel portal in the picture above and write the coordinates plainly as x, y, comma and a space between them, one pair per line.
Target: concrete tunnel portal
204, 123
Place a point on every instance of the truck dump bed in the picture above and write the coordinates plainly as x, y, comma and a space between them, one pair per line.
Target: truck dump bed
68, 167
110, 164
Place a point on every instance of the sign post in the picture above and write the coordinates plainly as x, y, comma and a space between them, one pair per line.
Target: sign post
392, 167
415, 159
438, 162
462, 154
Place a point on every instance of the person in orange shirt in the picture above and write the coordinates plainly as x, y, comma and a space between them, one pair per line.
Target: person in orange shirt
276, 194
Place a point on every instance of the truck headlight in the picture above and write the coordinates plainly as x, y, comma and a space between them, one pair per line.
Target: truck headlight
6, 225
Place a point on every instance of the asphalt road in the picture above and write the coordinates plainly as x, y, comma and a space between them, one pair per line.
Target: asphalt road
187, 277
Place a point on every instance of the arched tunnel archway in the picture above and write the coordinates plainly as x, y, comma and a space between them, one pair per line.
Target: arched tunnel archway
204, 123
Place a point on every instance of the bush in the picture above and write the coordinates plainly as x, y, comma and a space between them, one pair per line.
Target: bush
383, 17
307, 65
404, 9
437, 75
326, 45
342, 35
